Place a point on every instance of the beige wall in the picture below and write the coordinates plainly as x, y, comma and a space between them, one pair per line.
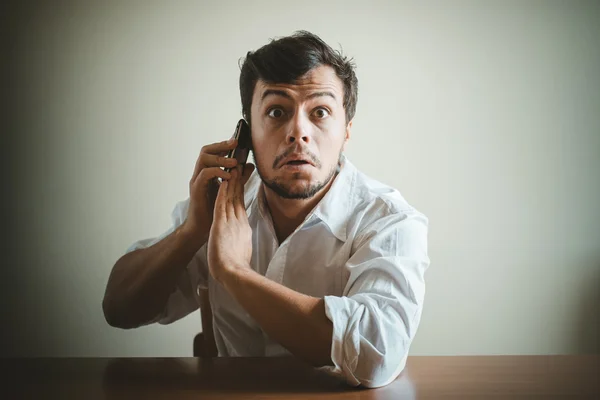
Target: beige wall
485, 115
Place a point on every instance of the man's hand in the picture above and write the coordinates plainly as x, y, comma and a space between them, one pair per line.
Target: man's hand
230, 239
204, 187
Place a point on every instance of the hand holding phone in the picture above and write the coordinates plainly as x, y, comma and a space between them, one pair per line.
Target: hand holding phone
241, 151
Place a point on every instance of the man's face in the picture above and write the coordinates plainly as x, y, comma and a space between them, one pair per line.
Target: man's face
298, 132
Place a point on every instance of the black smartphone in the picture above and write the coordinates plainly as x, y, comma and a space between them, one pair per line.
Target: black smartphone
242, 134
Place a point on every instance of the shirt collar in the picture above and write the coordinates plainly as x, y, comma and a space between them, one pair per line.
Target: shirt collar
334, 208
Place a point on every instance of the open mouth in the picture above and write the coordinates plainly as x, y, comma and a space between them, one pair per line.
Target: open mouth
297, 162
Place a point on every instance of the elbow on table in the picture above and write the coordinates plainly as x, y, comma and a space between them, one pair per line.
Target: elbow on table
381, 370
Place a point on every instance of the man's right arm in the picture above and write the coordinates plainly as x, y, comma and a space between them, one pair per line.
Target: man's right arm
141, 281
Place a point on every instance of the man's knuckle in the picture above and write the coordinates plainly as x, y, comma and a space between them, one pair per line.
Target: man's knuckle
204, 174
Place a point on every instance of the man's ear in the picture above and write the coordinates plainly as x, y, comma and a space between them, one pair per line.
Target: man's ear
348, 134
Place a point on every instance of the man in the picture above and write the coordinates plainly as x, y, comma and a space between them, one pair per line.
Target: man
306, 256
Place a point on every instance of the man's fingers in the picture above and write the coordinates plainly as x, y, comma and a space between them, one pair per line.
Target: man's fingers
234, 190
230, 197
210, 173
214, 160
238, 192
197, 168
220, 211
232, 184
214, 172
216, 148
238, 196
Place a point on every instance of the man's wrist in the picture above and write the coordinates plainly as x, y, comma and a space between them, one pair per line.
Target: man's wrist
232, 275
191, 238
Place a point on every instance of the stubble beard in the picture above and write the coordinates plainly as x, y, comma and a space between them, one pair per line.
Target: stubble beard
306, 192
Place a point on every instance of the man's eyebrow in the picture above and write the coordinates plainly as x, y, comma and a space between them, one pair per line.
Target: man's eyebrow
276, 92
320, 94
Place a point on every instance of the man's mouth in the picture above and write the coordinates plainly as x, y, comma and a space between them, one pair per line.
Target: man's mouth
297, 162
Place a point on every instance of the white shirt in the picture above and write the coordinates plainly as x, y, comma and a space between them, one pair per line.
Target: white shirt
363, 249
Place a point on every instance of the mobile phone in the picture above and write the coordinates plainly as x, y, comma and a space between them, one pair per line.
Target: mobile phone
242, 134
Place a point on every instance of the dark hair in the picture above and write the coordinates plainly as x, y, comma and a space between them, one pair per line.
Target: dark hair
288, 58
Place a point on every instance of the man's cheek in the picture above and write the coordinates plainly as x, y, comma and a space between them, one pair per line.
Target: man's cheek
260, 164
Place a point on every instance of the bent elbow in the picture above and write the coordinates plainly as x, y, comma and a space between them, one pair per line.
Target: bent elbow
379, 380
374, 372
109, 313
112, 316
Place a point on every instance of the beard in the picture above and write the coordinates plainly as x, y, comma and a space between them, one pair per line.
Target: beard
283, 190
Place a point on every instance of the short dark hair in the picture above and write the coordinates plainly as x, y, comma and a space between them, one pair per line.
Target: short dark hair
287, 59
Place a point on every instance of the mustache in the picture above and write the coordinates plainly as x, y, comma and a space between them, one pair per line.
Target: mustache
291, 150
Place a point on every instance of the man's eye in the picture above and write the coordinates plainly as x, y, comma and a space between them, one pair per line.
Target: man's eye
321, 113
275, 113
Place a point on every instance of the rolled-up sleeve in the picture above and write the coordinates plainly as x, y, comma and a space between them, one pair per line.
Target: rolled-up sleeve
376, 319
185, 298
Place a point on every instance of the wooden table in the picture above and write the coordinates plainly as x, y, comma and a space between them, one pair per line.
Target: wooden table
480, 377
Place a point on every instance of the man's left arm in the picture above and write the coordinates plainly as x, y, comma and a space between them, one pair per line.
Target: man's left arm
363, 336
295, 320
365, 333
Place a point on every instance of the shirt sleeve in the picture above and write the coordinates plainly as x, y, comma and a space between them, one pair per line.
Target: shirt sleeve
376, 319
185, 297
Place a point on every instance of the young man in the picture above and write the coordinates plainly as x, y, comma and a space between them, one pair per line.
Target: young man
306, 256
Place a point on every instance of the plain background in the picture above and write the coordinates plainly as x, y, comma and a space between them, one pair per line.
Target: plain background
485, 115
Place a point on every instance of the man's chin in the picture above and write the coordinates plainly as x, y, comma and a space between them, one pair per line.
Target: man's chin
296, 184
295, 190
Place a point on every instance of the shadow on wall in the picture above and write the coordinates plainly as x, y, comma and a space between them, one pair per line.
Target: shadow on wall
588, 335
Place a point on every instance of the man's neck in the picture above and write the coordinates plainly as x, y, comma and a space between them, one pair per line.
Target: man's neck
288, 214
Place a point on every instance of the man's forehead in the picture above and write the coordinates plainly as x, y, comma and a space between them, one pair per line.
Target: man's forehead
321, 79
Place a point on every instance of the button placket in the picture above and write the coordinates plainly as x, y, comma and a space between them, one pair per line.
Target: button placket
282, 264
277, 265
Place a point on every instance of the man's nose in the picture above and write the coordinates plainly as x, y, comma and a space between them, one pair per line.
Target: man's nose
300, 129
